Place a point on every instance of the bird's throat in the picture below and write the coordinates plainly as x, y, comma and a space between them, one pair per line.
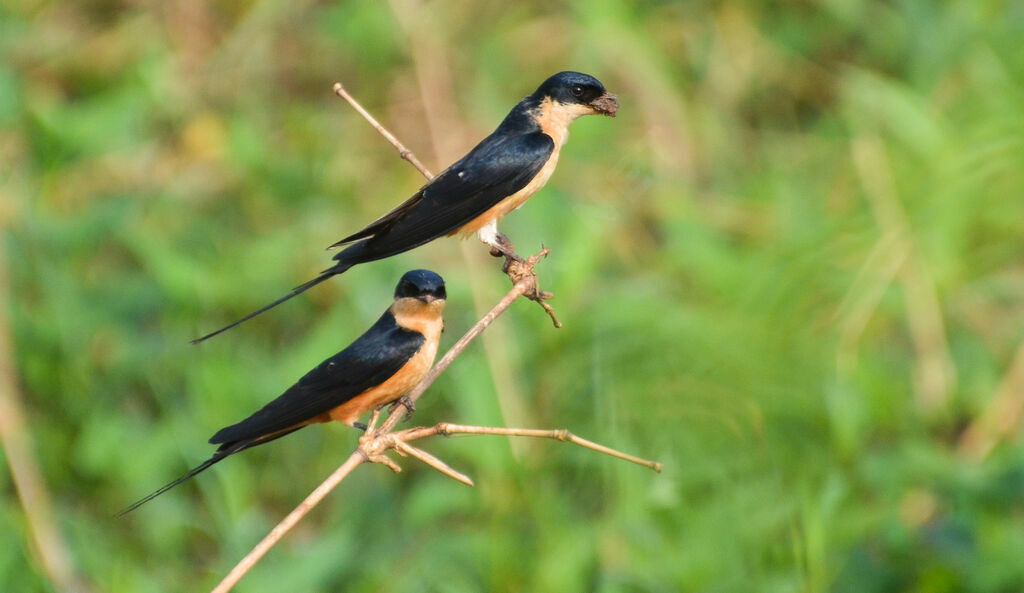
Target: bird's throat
414, 314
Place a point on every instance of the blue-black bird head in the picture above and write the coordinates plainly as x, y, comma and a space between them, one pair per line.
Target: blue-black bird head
577, 88
423, 285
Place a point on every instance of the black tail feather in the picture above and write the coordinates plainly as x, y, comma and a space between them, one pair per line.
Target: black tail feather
328, 273
220, 454
225, 450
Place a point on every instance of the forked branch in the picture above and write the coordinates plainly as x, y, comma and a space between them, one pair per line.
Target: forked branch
447, 429
377, 440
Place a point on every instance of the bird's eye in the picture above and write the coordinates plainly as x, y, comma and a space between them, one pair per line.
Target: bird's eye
577, 91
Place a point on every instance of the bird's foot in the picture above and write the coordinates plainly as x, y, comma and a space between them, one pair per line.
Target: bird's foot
360, 426
410, 407
503, 247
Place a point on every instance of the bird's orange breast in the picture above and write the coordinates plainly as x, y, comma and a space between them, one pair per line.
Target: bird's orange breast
554, 119
395, 387
414, 315
502, 208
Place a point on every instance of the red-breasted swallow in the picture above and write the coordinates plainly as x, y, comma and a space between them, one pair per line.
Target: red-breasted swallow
472, 195
381, 366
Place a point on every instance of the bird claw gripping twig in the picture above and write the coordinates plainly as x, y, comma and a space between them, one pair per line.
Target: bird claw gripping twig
410, 407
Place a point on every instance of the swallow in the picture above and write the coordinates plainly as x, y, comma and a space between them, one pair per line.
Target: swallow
496, 177
378, 368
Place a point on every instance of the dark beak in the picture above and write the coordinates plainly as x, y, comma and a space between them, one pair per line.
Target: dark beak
426, 298
607, 104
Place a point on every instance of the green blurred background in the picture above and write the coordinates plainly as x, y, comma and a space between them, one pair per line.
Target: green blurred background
791, 270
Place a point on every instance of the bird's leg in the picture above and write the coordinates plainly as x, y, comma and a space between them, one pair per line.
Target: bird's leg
360, 426
503, 247
498, 242
410, 406
503, 240
370, 444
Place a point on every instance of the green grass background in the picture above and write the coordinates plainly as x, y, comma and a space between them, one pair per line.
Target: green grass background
792, 270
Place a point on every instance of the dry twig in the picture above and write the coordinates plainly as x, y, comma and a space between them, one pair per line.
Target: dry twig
377, 440
403, 152
447, 429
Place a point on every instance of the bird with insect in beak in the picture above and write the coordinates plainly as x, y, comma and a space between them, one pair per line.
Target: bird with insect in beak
379, 367
497, 176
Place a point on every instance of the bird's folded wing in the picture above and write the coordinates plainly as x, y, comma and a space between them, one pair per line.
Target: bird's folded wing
498, 167
369, 361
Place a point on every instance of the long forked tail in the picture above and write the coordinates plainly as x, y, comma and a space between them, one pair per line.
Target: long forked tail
220, 454
329, 272
225, 450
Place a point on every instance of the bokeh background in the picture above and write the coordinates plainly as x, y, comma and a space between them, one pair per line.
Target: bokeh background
792, 270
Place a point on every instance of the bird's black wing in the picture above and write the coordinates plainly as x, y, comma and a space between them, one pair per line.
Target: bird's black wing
498, 167
502, 164
369, 361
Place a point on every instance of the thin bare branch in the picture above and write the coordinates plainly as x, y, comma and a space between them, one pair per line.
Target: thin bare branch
376, 441
446, 428
254, 556
405, 153
371, 447
406, 449
519, 271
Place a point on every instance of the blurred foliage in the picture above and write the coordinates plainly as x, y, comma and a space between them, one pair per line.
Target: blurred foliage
790, 270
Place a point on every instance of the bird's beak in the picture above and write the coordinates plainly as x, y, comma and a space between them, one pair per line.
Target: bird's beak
427, 298
607, 104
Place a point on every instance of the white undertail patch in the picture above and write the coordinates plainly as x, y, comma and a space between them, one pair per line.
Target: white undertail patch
489, 233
